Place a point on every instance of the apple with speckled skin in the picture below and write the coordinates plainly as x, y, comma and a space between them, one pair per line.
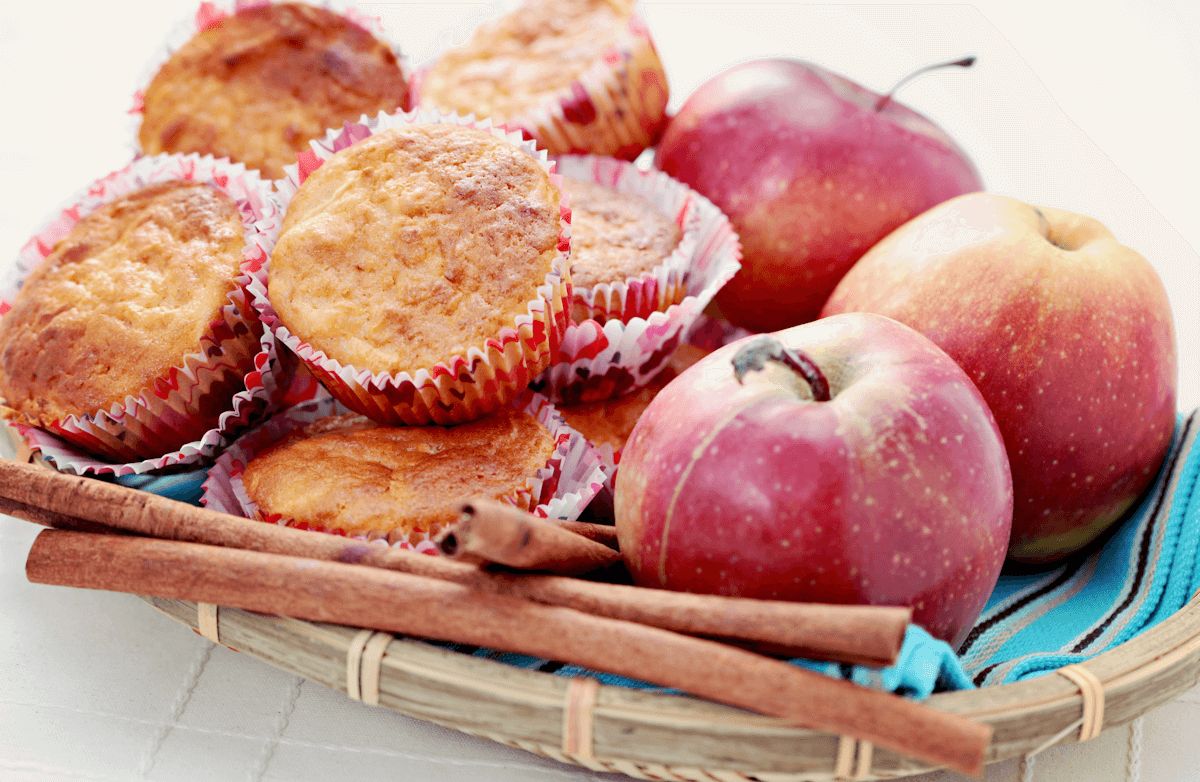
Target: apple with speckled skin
1067, 333
848, 460
812, 169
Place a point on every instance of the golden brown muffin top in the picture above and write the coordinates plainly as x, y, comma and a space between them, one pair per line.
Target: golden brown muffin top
611, 421
413, 246
520, 60
258, 85
350, 474
615, 235
120, 301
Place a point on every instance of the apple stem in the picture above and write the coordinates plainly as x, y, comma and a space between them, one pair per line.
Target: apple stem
884, 100
755, 355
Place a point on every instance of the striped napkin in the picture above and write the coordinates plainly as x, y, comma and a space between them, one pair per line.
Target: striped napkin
1033, 623
1146, 571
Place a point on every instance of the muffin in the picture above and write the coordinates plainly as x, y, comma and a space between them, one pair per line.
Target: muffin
352, 476
577, 75
609, 422
420, 272
635, 324
617, 237
258, 84
115, 324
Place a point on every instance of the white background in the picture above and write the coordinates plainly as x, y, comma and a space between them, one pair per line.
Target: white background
98, 686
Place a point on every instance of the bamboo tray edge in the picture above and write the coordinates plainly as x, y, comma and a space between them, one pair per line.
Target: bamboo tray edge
666, 737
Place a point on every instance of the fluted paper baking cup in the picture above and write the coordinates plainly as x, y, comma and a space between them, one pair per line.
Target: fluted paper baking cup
235, 368
666, 283
602, 360
212, 12
559, 490
617, 107
461, 388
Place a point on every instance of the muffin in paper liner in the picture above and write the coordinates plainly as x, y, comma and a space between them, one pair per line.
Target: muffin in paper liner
603, 360
608, 423
209, 13
235, 368
617, 107
460, 388
665, 284
560, 490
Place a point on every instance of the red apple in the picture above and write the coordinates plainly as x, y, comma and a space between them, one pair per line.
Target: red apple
812, 169
844, 461
1067, 333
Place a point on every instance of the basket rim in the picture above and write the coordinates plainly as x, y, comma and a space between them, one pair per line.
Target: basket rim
661, 736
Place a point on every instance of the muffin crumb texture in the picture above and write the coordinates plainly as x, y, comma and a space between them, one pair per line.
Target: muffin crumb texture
258, 85
120, 301
413, 246
614, 235
345, 473
526, 58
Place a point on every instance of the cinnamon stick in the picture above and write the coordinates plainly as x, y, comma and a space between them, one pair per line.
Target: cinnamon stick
601, 533
492, 532
431, 608
855, 634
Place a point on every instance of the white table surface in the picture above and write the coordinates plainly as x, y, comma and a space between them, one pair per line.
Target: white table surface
100, 687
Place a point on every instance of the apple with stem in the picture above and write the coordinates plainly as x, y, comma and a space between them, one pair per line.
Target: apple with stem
1068, 335
848, 460
812, 169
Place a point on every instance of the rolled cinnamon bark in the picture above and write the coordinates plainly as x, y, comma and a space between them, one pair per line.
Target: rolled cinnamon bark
432, 608
601, 533
492, 532
855, 634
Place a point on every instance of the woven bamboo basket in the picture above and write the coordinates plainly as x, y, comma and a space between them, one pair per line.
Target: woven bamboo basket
668, 737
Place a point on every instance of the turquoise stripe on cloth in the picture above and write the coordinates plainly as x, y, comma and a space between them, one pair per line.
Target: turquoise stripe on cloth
1146, 571
1033, 623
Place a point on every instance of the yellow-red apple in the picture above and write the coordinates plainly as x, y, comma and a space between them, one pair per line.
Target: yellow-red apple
1067, 333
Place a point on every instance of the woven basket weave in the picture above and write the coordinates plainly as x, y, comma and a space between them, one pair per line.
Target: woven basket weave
668, 737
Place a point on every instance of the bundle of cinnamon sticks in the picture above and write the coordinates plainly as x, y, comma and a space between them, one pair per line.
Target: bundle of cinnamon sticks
109, 537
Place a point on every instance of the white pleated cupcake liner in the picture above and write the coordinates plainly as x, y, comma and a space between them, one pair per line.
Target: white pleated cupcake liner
236, 357
666, 284
460, 388
603, 360
560, 490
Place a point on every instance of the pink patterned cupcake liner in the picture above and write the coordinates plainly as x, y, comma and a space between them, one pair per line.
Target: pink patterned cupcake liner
560, 490
665, 284
603, 360
235, 368
617, 107
462, 388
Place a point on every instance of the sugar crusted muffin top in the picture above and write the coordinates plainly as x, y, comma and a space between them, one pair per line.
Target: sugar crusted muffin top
259, 84
120, 301
413, 246
521, 60
615, 235
350, 474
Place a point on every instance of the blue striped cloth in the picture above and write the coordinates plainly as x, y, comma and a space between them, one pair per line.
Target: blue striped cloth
1146, 571
1033, 623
